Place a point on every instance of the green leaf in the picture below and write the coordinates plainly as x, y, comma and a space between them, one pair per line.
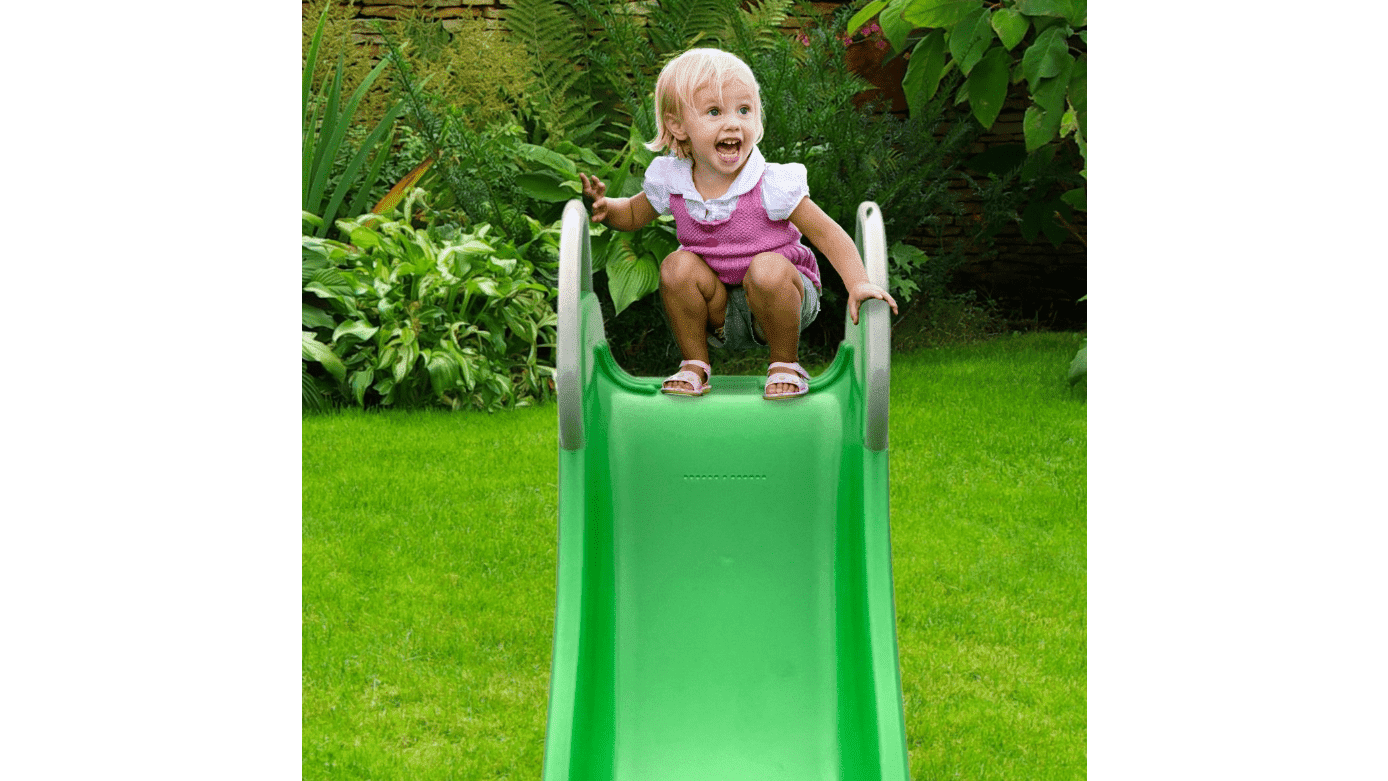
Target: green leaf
1046, 57
571, 150
1077, 92
1044, 7
403, 361
938, 13
315, 350
354, 329
894, 27
1039, 126
1073, 11
630, 277
545, 187
316, 318
1010, 26
548, 158
1079, 367
365, 238
1049, 94
970, 39
360, 381
444, 372
1075, 197
923, 72
987, 85
861, 18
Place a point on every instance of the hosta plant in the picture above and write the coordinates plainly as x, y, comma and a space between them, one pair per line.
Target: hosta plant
405, 316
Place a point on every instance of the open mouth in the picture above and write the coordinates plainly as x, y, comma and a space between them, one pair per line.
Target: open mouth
729, 150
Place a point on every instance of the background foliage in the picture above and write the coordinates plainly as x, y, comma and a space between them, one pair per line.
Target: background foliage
432, 316
492, 131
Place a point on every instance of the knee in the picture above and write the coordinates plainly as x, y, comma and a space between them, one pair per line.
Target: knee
772, 272
682, 268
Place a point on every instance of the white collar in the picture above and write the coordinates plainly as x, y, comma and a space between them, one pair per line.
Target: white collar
743, 184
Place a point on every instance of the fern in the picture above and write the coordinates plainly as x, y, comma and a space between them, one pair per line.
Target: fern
760, 23
554, 40
677, 25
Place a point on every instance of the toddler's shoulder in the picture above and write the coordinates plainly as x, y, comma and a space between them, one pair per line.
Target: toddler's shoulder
783, 186
665, 169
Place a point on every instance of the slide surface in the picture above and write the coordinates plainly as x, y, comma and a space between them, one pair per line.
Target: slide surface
724, 597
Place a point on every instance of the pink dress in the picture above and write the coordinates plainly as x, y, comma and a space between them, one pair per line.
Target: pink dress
728, 246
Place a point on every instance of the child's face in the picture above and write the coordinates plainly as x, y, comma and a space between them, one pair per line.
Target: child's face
720, 129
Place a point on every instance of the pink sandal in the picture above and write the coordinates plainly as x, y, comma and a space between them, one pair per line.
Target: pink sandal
700, 387
800, 379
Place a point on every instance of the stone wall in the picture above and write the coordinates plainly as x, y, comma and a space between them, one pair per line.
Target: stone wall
1034, 282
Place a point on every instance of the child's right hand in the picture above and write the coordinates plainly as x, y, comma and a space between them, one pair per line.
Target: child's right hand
595, 191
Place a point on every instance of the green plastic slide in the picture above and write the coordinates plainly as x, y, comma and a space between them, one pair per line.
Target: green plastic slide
724, 600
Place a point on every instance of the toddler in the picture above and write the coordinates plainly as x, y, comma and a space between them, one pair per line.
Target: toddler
742, 277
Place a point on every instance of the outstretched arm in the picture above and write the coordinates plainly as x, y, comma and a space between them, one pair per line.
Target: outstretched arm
624, 214
842, 253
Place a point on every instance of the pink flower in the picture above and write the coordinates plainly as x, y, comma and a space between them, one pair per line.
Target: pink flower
804, 39
881, 44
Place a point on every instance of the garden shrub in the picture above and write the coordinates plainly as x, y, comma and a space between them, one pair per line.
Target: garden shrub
439, 316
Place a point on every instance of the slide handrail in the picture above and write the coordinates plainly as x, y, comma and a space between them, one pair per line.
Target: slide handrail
575, 279
875, 316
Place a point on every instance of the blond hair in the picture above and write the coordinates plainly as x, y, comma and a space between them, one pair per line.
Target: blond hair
685, 75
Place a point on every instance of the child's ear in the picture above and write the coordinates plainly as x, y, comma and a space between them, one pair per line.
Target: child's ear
676, 127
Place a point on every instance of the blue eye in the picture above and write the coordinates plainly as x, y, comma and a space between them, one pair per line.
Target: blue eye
713, 112
744, 111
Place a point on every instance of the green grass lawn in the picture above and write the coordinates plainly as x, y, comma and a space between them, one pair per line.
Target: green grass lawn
429, 563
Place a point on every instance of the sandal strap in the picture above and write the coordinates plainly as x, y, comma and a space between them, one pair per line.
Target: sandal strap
689, 377
788, 379
708, 370
797, 368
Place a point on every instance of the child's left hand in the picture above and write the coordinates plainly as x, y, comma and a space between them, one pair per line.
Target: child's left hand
862, 292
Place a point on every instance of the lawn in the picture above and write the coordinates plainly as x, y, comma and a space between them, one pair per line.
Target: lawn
429, 562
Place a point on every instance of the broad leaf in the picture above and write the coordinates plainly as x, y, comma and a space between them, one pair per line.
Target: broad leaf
1040, 126
1077, 92
360, 381
894, 27
444, 372
939, 13
861, 18
630, 277
1079, 367
315, 350
570, 149
1046, 57
987, 85
1076, 198
1050, 93
545, 187
316, 318
354, 329
970, 39
1010, 26
1073, 11
924, 70
365, 238
548, 158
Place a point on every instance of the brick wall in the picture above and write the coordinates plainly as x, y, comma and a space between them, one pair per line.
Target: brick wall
1033, 282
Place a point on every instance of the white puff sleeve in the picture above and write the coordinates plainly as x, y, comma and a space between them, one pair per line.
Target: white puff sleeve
659, 183
783, 186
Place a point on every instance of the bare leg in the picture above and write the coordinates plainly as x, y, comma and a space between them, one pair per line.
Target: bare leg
696, 302
774, 293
